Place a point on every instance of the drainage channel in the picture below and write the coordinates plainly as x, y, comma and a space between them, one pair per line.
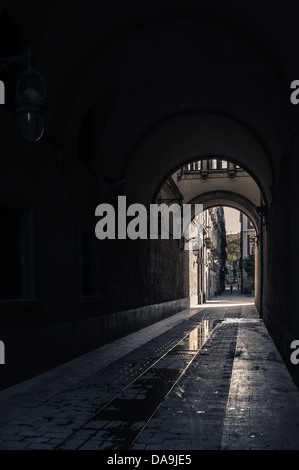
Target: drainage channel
119, 422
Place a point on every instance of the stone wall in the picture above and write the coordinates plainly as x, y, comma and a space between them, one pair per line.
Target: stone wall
84, 292
280, 292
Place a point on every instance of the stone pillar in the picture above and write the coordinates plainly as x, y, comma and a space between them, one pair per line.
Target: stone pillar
231, 169
204, 169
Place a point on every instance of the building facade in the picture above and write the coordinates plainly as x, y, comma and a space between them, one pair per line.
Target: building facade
247, 255
213, 254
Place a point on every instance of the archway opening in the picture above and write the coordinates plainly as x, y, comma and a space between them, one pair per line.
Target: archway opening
229, 259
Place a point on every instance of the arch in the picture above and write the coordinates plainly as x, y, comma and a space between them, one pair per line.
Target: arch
187, 138
229, 199
179, 87
241, 183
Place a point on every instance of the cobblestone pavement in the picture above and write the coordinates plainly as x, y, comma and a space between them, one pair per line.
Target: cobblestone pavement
207, 378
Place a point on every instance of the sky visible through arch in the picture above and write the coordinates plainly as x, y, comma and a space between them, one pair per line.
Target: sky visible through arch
232, 220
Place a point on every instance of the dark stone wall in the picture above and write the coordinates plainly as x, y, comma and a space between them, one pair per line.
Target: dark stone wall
280, 293
84, 292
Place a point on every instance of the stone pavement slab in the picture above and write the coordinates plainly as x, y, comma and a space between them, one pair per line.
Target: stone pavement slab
233, 392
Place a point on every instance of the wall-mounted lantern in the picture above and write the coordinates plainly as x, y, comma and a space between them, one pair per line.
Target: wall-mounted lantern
30, 102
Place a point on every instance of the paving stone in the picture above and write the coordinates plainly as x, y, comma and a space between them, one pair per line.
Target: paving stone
15, 445
234, 394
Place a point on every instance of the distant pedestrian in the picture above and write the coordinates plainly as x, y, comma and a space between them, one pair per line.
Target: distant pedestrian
231, 288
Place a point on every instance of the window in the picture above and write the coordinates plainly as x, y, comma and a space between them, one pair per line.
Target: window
89, 265
16, 254
249, 224
10, 255
212, 164
196, 166
248, 245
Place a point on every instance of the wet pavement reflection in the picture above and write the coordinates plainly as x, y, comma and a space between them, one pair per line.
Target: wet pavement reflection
120, 422
182, 384
193, 342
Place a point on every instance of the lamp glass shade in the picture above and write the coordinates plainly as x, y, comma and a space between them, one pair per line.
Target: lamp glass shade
30, 110
31, 124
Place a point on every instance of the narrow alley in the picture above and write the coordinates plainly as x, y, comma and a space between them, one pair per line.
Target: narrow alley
149, 232
208, 378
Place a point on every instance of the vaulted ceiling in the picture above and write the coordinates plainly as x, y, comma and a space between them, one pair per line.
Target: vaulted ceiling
165, 82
